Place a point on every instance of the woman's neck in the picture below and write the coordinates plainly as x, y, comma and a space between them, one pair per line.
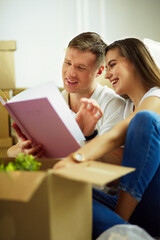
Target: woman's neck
137, 95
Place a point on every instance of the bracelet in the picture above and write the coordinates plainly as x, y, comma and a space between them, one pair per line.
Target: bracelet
94, 134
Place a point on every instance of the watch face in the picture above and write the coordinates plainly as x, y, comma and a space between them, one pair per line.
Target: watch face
78, 157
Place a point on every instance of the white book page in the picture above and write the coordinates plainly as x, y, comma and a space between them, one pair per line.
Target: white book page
50, 91
2, 100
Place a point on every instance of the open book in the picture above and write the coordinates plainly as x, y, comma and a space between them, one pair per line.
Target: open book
44, 117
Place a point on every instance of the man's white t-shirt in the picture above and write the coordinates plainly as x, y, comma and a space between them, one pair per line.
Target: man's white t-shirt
111, 104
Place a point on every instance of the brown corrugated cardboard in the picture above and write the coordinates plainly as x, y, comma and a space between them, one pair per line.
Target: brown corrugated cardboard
5, 143
7, 67
4, 117
8, 45
51, 204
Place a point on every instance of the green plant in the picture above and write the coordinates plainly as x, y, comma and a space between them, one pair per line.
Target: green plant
22, 162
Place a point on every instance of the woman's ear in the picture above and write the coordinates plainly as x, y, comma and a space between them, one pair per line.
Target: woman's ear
100, 70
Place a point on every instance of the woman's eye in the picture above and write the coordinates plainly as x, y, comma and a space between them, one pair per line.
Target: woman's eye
112, 65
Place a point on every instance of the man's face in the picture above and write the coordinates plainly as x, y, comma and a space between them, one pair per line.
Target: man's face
79, 71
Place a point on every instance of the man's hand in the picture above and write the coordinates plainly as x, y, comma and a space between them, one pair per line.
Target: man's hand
88, 116
24, 145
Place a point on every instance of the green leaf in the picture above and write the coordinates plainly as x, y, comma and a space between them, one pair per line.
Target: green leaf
22, 162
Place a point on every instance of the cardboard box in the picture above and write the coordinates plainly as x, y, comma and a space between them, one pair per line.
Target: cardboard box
7, 134
7, 67
5, 143
51, 204
4, 117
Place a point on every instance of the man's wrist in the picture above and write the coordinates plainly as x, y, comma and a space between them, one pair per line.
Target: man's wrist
93, 135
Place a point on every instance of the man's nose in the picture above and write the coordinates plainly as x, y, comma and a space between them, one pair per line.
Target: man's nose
72, 71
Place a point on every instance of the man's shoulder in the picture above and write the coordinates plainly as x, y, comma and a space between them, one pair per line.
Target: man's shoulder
65, 95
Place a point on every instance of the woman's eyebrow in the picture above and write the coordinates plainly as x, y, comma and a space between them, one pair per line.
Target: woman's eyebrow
110, 62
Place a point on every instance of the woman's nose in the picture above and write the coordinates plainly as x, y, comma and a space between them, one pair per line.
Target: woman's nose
108, 74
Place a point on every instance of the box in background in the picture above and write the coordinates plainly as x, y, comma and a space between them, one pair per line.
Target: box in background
5, 143
5, 137
4, 116
51, 204
7, 133
7, 66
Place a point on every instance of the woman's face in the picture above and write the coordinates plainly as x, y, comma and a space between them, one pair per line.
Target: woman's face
120, 72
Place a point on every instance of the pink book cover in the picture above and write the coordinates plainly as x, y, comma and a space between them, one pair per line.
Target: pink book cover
40, 122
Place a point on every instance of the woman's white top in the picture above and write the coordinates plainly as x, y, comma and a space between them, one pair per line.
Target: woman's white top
155, 91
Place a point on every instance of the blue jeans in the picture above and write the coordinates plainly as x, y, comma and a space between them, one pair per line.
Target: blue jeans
142, 151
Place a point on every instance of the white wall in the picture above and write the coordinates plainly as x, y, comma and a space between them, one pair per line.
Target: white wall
135, 18
43, 28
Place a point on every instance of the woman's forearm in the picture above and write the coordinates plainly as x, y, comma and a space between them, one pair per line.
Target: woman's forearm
105, 143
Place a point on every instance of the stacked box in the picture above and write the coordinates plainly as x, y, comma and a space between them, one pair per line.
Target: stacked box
7, 67
5, 138
7, 82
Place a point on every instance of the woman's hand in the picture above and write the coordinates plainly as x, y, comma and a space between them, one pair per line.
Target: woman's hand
88, 116
24, 145
66, 162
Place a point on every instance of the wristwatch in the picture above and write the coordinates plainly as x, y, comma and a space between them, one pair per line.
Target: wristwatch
78, 157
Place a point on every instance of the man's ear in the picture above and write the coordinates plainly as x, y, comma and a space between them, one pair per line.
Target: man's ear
100, 70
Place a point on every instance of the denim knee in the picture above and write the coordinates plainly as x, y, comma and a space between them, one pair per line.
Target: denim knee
141, 151
145, 117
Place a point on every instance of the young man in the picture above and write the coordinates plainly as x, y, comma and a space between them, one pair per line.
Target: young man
83, 62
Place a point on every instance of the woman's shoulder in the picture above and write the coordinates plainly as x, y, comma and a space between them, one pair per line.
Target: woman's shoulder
153, 92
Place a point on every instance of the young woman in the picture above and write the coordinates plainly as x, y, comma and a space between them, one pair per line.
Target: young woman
132, 72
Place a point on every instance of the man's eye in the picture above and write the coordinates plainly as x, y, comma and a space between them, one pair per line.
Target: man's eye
68, 63
81, 68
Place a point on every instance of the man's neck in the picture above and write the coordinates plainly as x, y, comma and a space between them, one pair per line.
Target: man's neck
74, 100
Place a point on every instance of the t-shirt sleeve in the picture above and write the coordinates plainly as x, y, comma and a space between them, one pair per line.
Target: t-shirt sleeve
113, 114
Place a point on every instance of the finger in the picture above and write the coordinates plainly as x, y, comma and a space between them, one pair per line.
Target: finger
35, 150
84, 100
89, 106
26, 144
98, 115
18, 131
83, 106
40, 154
97, 110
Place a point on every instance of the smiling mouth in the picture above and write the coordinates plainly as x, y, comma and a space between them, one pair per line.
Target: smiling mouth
114, 81
71, 82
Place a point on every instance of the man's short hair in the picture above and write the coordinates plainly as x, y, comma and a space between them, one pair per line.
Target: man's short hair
92, 42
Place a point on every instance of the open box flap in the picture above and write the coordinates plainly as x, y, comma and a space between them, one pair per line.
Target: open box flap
97, 173
19, 185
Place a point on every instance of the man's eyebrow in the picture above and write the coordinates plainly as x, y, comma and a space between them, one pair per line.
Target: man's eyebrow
82, 65
66, 59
